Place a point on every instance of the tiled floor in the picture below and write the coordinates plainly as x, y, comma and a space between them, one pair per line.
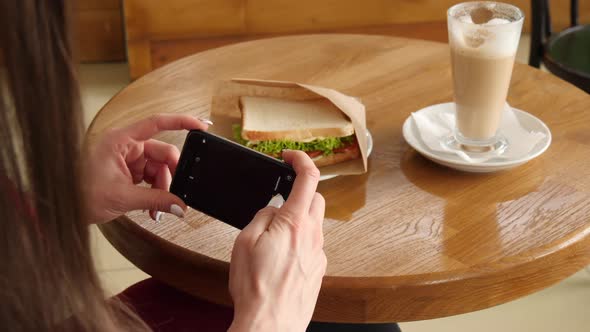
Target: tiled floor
563, 307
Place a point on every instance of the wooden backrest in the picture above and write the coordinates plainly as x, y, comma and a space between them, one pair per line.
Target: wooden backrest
162, 31
98, 28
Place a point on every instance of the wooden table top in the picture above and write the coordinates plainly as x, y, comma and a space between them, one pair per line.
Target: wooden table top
409, 240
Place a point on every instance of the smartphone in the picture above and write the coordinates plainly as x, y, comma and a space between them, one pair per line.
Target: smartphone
226, 180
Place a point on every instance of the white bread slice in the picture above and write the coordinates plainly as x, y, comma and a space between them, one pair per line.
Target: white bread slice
266, 119
337, 157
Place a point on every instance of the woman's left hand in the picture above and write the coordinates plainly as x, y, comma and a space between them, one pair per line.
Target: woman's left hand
123, 158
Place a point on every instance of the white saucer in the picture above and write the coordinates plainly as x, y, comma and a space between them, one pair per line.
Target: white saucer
527, 120
369, 149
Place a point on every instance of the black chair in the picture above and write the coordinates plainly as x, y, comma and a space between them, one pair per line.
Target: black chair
565, 54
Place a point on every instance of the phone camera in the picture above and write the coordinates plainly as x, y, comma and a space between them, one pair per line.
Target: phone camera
197, 159
289, 178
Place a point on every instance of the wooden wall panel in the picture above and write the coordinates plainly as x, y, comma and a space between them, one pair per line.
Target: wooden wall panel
139, 57
177, 19
163, 52
284, 16
308, 15
98, 28
162, 31
99, 34
97, 4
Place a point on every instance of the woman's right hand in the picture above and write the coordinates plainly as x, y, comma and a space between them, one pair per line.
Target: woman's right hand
278, 260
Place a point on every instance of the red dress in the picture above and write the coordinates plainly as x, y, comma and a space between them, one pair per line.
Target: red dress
166, 309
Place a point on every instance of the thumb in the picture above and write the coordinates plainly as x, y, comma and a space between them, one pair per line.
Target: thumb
143, 198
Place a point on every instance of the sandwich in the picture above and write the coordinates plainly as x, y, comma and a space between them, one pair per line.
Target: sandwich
317, 127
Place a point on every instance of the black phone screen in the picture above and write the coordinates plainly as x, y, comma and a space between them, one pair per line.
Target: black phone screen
226, 180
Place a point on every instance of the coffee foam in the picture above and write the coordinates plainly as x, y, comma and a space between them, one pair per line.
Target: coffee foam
494, 38
465, 19
488, 29
496, 21
493, 21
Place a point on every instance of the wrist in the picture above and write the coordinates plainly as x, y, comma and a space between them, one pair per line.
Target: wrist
256, 319
245, 325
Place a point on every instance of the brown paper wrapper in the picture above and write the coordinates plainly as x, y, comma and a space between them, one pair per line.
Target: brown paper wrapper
225, 112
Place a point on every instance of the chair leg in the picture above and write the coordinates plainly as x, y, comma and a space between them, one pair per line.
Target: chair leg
547, 20
538, 27
574, 12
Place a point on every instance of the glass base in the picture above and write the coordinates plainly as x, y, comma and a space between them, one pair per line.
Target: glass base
477, 149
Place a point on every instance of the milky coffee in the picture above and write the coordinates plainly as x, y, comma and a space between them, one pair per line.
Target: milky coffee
483, 42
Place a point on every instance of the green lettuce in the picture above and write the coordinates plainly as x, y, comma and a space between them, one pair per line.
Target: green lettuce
274, 147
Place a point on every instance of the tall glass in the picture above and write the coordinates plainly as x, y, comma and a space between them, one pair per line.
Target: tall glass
484, 38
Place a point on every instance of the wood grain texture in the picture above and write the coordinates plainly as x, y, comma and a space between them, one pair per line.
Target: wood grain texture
138, 53
98, 30
100, 35
177, 28
164, 52
96, 4
179, 19
409, 240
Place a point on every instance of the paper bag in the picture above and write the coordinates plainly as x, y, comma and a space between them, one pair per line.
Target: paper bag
225, 112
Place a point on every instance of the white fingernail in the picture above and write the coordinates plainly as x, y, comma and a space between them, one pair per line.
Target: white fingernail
176, 210
207, 121
158, 216
276, 201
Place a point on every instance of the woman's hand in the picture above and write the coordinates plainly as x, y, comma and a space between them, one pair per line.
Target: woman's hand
278, 260
125, 157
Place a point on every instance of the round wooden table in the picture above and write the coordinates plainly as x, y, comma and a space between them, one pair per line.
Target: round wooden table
409, 240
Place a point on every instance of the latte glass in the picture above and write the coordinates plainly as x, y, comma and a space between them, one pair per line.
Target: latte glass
483, 37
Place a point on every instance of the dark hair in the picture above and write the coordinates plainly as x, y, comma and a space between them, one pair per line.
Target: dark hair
47, 276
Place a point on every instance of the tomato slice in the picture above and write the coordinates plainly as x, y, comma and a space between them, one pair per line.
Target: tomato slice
349, 147
313, 154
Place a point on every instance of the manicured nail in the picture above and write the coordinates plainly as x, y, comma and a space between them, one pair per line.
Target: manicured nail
177, 211
276, 201
158, 216
207, 121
